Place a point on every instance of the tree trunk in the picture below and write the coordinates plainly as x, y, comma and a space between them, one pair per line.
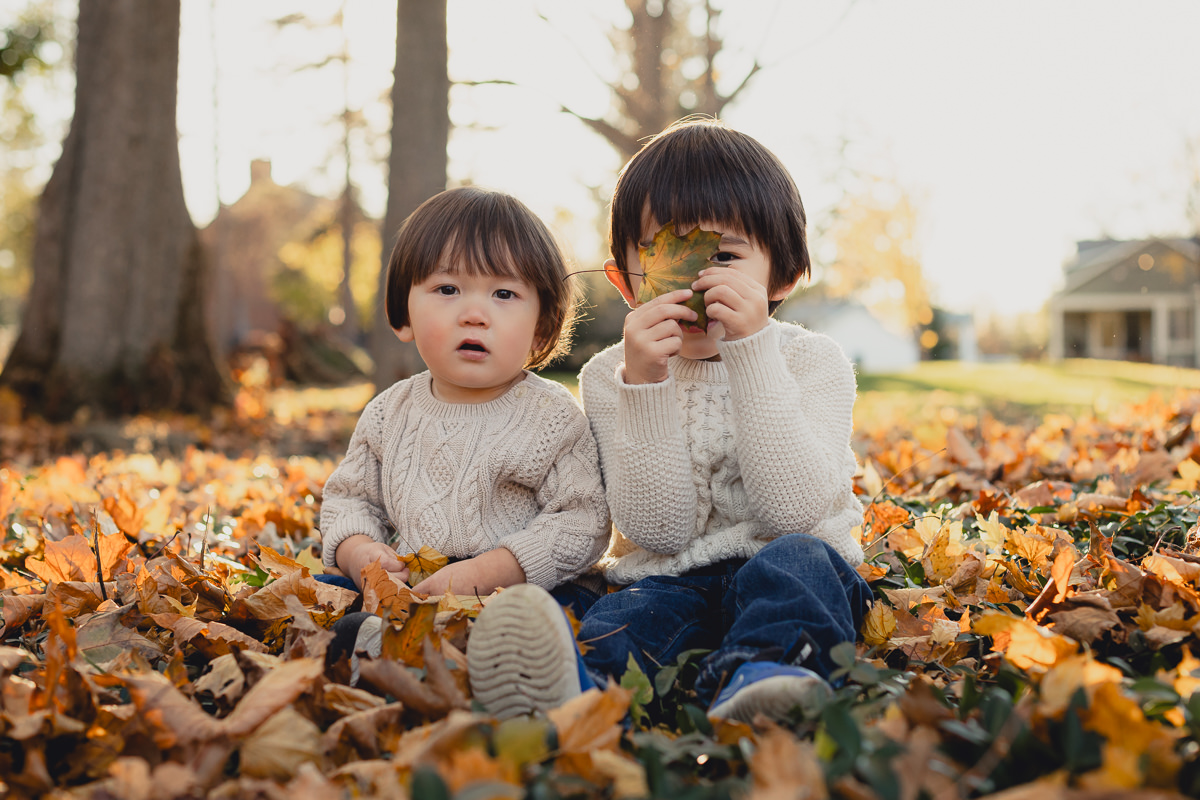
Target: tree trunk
114, 319
417, 166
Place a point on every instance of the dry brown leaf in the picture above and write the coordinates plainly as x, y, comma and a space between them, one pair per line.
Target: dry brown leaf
384, 593
174, 719
784, 768
211, 638
276, 689
407, 644
18, 608
279, 745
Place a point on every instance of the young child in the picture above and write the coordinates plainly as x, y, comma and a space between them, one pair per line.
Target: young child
477, 457
726, 458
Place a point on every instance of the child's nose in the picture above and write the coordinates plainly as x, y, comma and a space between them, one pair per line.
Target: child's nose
474, 314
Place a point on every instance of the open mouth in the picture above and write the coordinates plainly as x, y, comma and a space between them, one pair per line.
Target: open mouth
472, 347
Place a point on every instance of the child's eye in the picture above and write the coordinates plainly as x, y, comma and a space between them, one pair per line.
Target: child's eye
723, 257
505, 294
446, 290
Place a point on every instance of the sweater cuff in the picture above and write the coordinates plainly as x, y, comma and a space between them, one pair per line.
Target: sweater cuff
533, 556
755, 363
646, 412
347, 526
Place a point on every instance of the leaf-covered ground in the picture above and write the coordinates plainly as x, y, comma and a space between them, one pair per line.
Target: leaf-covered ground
1033, 635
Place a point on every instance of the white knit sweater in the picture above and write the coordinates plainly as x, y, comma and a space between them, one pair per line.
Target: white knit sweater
724, 456
518, 472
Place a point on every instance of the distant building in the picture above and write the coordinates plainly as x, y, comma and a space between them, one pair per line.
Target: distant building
1131, 301
866, 341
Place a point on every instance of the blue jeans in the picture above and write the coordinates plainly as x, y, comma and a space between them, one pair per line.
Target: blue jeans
792, 602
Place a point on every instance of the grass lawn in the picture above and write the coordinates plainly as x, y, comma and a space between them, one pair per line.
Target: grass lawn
1014, 391
1009, 391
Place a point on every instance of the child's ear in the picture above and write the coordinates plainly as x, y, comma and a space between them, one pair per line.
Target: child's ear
620, 281
783, 292
404, 333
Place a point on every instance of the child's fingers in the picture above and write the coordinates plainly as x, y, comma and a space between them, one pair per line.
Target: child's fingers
714, 277
648, 316
670, 298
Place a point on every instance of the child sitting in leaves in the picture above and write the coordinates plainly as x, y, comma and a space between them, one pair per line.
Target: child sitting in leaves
477, 457
725, 449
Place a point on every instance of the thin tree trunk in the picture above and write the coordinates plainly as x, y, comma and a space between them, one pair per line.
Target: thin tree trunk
417, 166
114, 318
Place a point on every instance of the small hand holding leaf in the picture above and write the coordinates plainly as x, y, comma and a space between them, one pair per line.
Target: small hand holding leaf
673, 262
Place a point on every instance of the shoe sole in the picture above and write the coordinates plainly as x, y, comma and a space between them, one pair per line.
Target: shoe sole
521, 654
775, 698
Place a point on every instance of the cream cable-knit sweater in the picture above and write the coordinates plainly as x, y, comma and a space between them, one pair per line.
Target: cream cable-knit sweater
518, 472
724, 456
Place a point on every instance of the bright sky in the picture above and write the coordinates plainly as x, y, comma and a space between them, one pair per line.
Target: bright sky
1018, 126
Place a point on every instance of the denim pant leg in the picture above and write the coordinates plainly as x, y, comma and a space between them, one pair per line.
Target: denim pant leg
792, 602
655, 620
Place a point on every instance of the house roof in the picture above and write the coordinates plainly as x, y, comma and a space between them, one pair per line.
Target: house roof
1095, 257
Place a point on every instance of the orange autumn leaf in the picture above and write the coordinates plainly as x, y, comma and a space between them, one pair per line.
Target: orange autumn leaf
384, 593
783, 767
1024, 643
73, 559
406, 644
883, 517
587, 722
125, 513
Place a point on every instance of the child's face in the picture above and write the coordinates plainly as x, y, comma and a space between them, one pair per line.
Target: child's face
474, 332
738, 251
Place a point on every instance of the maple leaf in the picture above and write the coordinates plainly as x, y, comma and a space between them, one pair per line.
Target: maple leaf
878, 625
673, 262
423, 563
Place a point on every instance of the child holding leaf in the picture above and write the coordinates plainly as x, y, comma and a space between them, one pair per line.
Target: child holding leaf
724, 440
477, 457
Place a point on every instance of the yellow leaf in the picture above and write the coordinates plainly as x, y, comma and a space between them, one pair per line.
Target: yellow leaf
878, 625
1119, 719
1069, 675
1032, 547
1189, 477
423, 563
1024, 643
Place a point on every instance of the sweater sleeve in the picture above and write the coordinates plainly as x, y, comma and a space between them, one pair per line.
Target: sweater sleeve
793, 412
571, 529
352, 500
643, 455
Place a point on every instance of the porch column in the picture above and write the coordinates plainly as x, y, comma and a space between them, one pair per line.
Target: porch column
1160, 332
1056, 345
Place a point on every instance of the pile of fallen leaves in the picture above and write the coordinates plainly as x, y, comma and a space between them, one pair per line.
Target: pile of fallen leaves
1034, 635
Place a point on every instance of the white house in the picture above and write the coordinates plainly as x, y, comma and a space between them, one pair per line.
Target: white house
866, 341
1129, 300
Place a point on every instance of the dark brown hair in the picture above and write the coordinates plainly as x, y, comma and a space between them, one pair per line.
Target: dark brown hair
700, 170
484, 232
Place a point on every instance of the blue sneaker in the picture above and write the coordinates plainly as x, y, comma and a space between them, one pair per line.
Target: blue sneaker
771, 689
522, 656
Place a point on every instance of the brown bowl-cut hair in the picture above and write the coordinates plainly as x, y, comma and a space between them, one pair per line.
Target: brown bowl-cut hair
700, 170
485, 232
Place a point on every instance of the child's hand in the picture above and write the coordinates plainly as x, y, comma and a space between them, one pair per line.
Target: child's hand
480, 575
652, 335
733, 299
358, 551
